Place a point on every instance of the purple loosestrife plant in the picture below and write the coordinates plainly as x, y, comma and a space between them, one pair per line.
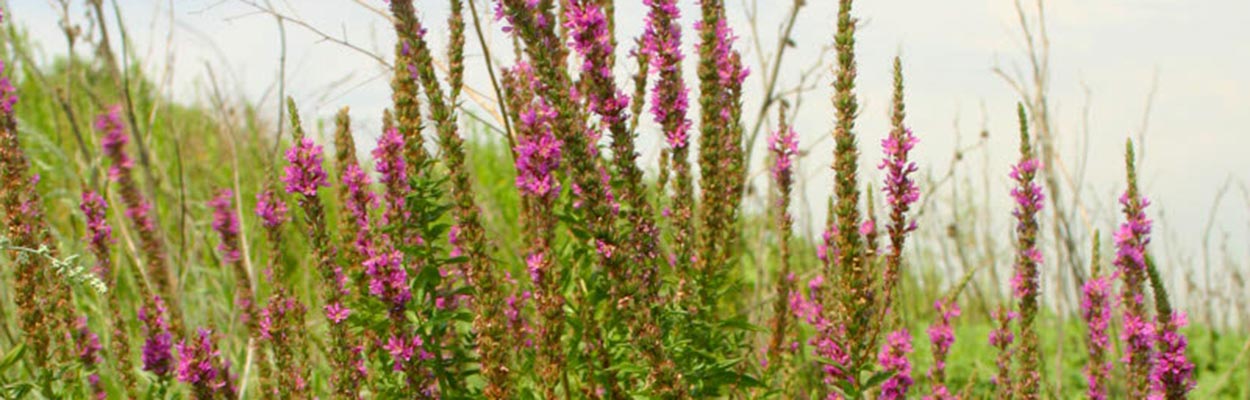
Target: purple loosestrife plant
281, 324
405, 91
1096, 312
941, 336
202, 366
1138, 333
1002, 339
271, 210
87, 351
303, 177
99, 232
100, 239
359, 200
388, 281
661, 44
590, 36
392, 174
1173, 375
783, 144
721, 155
43, 301
532, 23
1024, 284
158, 343
899, 187
488, 324
537, 160
138, 209
824, 341
852, 270
893, 358
353, 194
226, 223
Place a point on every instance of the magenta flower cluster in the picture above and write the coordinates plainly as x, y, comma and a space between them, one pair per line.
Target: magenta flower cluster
1172, 368
158, 342
1133, 236
360, 199
537, 149
271, 209
942, 334
403, 350
114, 141
825, 340
337, 313
392, 172
8, 94
388, 279
226, 223
304, 175
784, 146
200, 364
99, 233
661, 42
589, 37
893, 359
900, 188
1096, 311
729, 69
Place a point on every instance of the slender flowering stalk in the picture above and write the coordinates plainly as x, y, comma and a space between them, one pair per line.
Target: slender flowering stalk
359, 200
226, 223
87, 351
784, 146
826, 340
385, 268
669, 102
538, 158
533, 24
590, 33
202, 366
1130, 240
353, 225
392, 174
281, 324
1173, 375
455, 48
721, 156
303, 177
1096, 312
100, 239
43, 302
158, 343
893, 358
1002, 338
272, 213
899, 187
488, 323
941, 336
857, 283
404, 85
138, 209
1024, 284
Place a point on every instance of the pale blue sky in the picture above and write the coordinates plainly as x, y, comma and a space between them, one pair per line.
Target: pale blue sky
1105, 54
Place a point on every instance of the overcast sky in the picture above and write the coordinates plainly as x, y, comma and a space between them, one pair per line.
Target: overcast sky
1106, 56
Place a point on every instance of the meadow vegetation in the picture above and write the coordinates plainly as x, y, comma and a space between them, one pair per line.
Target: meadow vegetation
153, 249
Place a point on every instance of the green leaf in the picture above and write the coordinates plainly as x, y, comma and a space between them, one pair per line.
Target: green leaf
11, 358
